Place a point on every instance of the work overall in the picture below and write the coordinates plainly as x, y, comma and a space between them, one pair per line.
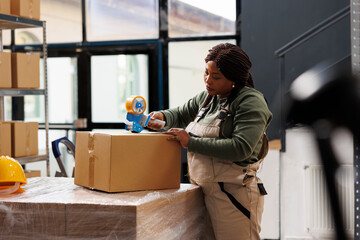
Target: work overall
233, 194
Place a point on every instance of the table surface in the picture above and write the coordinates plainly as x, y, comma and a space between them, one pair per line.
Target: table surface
63, 191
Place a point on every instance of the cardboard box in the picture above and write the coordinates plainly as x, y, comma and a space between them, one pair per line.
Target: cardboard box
25, 70
5, 6
5, 139
24, 137
126, 162
32, 173
26, 8
5, 70
55, 208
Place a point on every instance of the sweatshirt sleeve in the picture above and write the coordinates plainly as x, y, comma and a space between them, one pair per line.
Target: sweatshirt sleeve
251, 118
181, 116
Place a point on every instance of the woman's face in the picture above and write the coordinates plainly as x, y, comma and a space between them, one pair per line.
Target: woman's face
216, 83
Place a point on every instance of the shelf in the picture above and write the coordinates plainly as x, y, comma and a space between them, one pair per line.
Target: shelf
36, 158
14, 22
58, 126
21, 92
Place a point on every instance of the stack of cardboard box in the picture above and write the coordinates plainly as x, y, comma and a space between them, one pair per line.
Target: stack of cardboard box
22, 8
20, 71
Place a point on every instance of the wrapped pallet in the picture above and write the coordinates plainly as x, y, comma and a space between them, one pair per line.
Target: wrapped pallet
55, 208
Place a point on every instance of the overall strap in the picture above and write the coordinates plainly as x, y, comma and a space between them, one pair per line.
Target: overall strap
204, 108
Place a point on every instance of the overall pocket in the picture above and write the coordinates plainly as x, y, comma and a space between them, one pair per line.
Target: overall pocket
200, 168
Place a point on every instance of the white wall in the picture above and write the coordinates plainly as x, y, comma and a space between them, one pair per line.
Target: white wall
285, 173
269, 174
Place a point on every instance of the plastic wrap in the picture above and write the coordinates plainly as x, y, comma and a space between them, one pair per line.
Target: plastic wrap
56, 208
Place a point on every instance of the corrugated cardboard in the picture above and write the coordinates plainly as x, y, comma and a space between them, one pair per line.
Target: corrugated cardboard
5, 70
5, 139
126, 162
25, 70
24, 138
5, 6
34, 220
32, 173
26, 8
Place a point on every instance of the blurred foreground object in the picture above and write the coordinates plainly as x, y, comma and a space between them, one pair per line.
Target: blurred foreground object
12, 175
324, 99
320, 93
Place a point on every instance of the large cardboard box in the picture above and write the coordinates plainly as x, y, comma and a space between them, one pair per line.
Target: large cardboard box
5, 6
25, 70
26, 8
126, 162
5, 70
24, 137
5, 139
55, 208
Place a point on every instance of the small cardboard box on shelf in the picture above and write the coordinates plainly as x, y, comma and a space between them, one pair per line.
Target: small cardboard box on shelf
26, 8
5, 6
5, 139
25, 70
32, 173
24, 137
5, 70
126, 162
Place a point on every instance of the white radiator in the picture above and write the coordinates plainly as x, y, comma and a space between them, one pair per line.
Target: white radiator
318, 210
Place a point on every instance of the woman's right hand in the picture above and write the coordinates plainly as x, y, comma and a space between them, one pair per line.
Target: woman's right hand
155, 125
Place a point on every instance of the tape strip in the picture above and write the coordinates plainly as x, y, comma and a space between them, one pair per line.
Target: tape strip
31, 8
92, 158
27, 147
28, 58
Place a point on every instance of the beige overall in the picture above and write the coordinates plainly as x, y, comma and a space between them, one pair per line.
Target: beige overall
232, 195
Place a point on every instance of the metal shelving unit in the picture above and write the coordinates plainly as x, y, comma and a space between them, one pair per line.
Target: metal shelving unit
10, 22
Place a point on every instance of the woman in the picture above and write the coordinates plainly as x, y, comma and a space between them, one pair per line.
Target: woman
225, 140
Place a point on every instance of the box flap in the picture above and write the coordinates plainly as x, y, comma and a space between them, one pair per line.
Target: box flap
92, 160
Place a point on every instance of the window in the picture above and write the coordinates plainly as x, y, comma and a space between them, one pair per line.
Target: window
121, 19
186, 69
62, 93
201, 17
63, 23
113, 79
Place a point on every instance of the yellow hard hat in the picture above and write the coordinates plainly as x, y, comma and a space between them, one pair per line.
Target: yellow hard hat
12, 175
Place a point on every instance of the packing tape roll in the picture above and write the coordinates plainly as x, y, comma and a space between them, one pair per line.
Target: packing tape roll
92, 158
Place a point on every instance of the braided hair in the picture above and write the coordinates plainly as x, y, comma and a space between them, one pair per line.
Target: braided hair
234, 64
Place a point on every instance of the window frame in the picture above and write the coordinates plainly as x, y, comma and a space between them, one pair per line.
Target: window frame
158, 65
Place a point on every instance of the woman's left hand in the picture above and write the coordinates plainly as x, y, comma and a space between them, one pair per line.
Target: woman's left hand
180, 135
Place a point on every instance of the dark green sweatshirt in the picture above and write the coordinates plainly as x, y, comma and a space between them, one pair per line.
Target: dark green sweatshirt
241, 132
